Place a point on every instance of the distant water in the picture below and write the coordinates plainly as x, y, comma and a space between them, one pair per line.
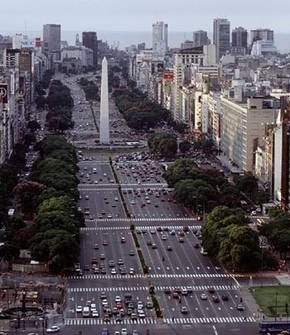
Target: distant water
123, 39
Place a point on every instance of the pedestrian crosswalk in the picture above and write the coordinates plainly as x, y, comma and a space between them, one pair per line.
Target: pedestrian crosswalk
190, 275
154, 275
95, 322
107, 289
211, 320
117, 276
150, 320
194, 288
197, 227
188, 219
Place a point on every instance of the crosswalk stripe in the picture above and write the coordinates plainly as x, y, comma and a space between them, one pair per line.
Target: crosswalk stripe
106, 289
138, 228
142, 219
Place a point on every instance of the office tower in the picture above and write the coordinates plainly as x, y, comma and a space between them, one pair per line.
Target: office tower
104, 110
200, 38
221, 36
159, 39
90, 41
262, 34
52, 41
240, 37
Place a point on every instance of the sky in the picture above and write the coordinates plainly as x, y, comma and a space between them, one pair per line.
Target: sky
136, 15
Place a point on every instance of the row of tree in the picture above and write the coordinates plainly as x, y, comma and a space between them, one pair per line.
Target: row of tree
90, 88
163, 144
199, 189
227, 237
48, 203
277, 231
139, 112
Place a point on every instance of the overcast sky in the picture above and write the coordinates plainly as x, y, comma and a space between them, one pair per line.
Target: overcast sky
134, 15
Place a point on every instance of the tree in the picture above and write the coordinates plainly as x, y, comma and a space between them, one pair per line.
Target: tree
8, 252
184, 146
27, 195
164, 144
247, 184
181, 169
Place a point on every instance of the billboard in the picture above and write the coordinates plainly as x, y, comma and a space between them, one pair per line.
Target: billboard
168, 75
4, 93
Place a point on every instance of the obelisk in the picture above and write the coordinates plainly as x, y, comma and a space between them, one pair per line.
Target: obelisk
104, 111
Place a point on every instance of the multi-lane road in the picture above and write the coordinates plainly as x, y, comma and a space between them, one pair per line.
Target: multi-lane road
195, 295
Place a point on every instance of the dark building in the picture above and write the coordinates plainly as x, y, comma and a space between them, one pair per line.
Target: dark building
90, 41
200, 38
240, 37
221, 37
52, 42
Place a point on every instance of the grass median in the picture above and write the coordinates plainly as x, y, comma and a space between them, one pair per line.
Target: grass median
273, 300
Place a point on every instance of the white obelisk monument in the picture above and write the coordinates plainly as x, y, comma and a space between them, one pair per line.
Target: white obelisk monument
104, 111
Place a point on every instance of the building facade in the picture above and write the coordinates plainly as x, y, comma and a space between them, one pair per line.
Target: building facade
200, 38
90, 41
51, 44
221, 37
159, 39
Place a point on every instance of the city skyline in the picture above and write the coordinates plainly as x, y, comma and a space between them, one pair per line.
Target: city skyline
182, 16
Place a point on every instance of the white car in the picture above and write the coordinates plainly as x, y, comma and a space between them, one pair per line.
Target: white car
113, 271
95, 314
79, 309
124, 331
53, 329
118, 299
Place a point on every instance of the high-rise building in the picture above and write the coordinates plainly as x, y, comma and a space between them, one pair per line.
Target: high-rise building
262, 34
200, 38
52, 41
221, 36
90, 41
240, 37
159, 38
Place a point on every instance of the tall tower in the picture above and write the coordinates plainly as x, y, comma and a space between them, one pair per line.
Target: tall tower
90, 41
104, 111
159, 39
221, 37
52, 42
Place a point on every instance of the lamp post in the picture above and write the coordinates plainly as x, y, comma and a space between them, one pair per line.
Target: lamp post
276, 305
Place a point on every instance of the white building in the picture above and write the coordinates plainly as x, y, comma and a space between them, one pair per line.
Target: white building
159, 39
243, 128
81, 53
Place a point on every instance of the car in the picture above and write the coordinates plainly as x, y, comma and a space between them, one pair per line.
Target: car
184, 291
87, 197
103, 295
135, 332
96, 246
154, 246
183, 310
113, 271
211, 290
172, 232
131, 271
124, 331
95, 314
240, 307
53, 329
109, 216
149, 304
225, 297
203, 296
118, 298
105, 243
79, 309
105, 331
102, 256
120, 261
215, 299
111, 263
131, 253
123, 240
196, 245
141, 314
181, 239
175, 295
93, 307
169, 248
167, 291
203, 251
163, 237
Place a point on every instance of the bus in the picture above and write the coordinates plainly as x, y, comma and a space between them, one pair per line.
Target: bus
273, 327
